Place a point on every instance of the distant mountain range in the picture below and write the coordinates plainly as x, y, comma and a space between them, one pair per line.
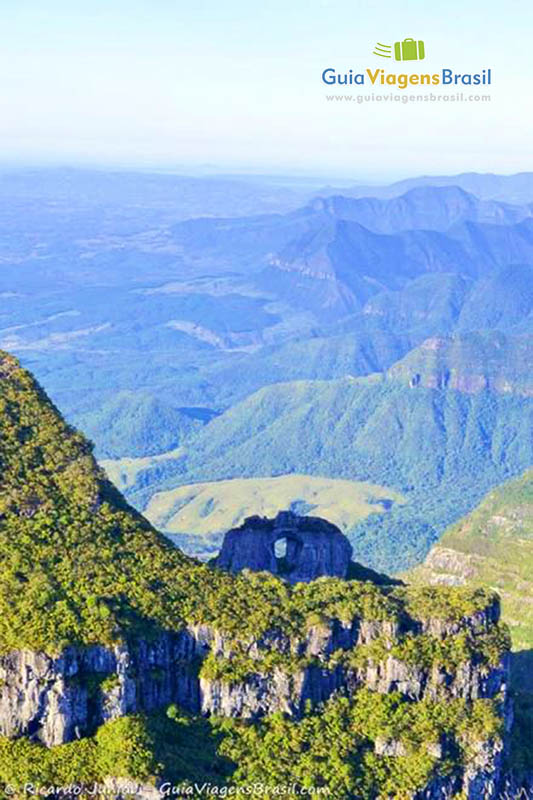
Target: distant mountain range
424, 207
487, 186
129, 195
441, 445
471, 363
217, 329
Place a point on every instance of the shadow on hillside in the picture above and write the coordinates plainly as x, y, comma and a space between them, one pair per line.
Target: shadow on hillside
187, 749
522, 694
522, 670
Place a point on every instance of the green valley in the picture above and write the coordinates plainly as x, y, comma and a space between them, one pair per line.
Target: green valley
237, 348
196, 515
441, 448
131, 644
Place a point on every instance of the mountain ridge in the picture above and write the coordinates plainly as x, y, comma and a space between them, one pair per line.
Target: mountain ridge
441, 447
422, 207
470, 363
113, 644
493, 546
514, 188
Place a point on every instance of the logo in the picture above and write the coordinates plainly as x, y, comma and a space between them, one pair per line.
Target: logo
408, 50
383, 50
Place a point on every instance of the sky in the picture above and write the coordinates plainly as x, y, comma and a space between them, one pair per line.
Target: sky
236, 85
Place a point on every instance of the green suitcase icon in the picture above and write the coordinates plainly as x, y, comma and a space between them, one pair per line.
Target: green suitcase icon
409, 50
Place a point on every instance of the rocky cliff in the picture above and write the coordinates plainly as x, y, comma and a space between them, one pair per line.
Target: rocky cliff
424, 660
470, 363
117, 651
56, 699
312, 547
493, 546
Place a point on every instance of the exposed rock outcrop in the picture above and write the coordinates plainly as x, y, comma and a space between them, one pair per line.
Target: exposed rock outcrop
469, 363
313, 547
58, 699
148, 628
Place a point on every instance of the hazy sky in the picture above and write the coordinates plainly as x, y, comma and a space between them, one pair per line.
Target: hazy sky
237, 84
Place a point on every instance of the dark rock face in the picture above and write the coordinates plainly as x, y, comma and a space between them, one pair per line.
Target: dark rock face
56, 699
310, 547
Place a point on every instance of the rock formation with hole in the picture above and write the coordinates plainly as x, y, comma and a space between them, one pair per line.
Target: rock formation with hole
313, 547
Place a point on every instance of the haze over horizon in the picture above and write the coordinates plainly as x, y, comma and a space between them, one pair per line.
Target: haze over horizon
318, 175
127, 85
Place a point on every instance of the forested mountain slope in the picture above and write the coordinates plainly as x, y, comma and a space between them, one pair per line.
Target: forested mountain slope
112, 643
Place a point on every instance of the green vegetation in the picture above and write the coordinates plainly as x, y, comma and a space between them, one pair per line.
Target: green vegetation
440, 448
210, 509
445, 602
179, 747
332, 747
121, 748
493, 547
79, 566
335, 747
136, 422
425, 651
421, 651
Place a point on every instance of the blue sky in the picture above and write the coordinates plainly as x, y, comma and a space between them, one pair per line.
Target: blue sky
237, 85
